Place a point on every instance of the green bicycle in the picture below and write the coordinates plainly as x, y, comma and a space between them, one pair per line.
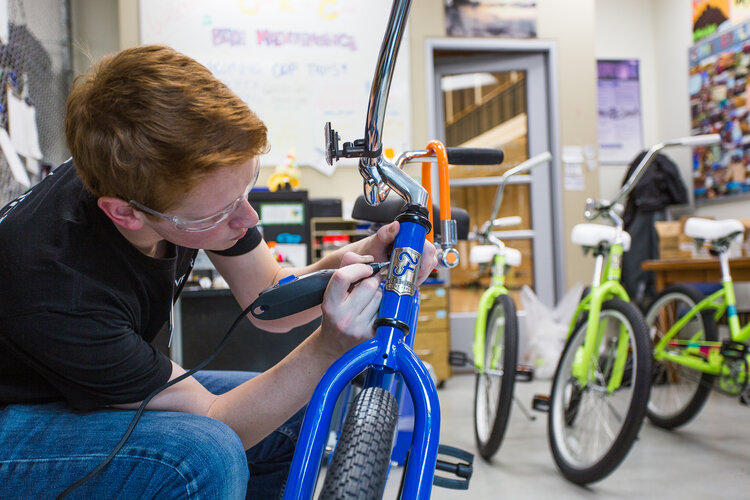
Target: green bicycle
688, 356
601, 385
495, 347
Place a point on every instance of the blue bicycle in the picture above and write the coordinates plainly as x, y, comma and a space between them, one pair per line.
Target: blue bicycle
391, 370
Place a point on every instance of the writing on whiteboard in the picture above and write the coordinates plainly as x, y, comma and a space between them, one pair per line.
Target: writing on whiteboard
267, 38
225, 36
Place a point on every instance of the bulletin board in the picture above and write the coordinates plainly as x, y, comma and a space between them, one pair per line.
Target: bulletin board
719, 88
297, 63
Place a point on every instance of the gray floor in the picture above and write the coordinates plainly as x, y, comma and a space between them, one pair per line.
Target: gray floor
708, 458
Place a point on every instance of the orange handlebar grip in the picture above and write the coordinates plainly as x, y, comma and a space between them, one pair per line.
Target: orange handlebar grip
441, 154
427, 184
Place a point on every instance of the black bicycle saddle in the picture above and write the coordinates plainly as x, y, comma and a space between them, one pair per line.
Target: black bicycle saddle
388, 210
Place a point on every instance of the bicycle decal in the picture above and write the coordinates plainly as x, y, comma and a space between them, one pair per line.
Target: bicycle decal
731, 310
404, 267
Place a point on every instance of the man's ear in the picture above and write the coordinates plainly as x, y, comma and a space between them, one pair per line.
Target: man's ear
121, 212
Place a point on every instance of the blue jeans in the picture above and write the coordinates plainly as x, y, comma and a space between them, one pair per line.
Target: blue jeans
47, 447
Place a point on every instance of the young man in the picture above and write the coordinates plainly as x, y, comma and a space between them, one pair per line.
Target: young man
163, 157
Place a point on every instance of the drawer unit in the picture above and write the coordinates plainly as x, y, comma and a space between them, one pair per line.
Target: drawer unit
432, 343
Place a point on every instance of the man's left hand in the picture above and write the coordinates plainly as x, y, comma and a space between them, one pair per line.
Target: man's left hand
380, 245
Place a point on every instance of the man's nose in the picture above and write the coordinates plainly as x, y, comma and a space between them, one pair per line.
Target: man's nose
244, 216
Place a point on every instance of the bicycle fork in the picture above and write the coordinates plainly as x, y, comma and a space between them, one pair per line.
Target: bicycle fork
586, 358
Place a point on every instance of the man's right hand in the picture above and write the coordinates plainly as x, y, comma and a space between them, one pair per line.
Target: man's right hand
348, 315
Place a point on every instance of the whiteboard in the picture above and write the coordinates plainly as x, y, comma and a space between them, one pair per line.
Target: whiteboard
296, 63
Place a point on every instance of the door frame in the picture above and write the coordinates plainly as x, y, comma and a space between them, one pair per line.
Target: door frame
548, 50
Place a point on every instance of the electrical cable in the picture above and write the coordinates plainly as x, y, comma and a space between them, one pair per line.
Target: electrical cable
142, 407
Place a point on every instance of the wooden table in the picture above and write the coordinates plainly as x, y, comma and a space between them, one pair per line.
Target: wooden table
698, 270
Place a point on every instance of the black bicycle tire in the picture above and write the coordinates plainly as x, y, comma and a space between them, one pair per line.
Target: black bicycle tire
488, 448
691, 296
636, 412
359, 468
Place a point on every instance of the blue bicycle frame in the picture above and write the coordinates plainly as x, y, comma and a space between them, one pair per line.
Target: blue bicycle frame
384, 356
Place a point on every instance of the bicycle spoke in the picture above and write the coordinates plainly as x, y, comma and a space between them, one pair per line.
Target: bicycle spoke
604, 421
615, 412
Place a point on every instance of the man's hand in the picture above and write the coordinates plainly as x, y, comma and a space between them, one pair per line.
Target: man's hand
380, 245
349, 312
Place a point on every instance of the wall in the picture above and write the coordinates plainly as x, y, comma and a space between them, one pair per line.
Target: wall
624, 30
571, 25
94, 30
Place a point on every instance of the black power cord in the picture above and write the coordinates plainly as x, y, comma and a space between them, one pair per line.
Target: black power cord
141, 408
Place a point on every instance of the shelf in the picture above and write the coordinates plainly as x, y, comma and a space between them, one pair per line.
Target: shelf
331, 226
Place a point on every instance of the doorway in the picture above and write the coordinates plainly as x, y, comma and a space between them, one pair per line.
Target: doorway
490, 93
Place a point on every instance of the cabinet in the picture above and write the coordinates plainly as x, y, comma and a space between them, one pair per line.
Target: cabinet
202, 318
433, 341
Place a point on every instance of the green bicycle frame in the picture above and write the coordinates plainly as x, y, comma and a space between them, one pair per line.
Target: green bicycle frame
496, 288
722, 301
605, 285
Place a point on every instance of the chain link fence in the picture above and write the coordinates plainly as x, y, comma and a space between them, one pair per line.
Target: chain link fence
35, 61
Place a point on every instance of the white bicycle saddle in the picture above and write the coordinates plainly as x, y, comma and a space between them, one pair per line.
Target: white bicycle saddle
708, 229
483, 254
591, 235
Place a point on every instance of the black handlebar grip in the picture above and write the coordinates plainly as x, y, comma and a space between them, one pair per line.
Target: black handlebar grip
475, 156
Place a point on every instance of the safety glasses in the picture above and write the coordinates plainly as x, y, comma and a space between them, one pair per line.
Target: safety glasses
206, 223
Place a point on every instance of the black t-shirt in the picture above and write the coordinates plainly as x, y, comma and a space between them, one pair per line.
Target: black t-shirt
78, 303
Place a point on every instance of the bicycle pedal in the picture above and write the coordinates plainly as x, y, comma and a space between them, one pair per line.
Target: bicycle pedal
462, 469
540, 403
458, 358
524, 373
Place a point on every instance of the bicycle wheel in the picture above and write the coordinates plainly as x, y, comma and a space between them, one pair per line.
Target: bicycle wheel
360, 462
677, 392
592, 428
493, 390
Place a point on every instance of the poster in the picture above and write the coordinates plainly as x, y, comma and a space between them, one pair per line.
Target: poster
297, 63
719, 89
709, 17
500, 18
619, 111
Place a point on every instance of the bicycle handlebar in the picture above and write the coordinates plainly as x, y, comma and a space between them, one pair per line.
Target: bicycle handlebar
595, 208
456, 156
524, 166
381, 82
696, 140
475, 156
